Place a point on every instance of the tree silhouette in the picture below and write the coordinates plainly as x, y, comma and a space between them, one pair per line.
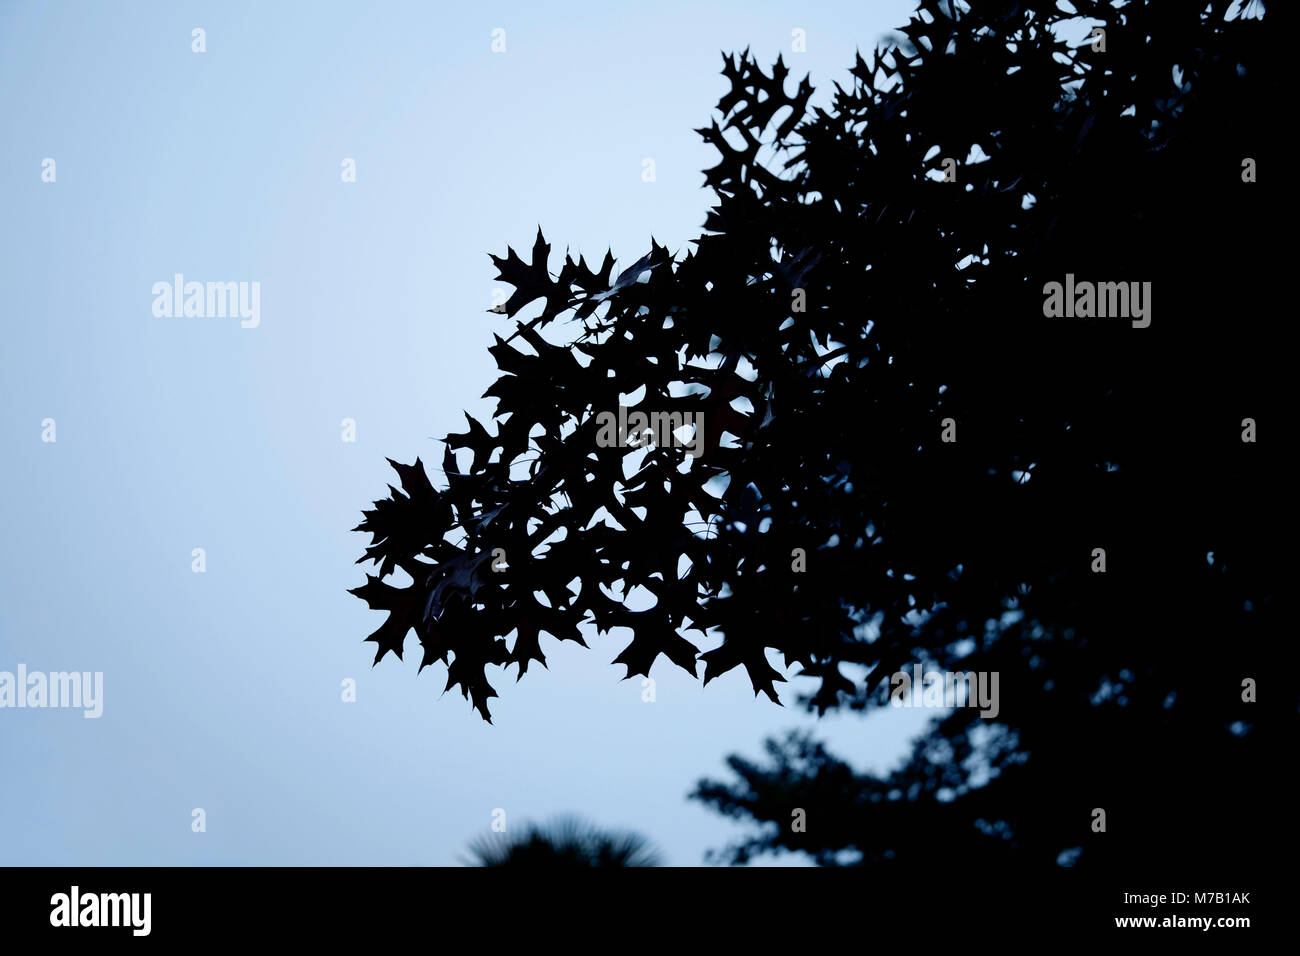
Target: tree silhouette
906, 454
565, 842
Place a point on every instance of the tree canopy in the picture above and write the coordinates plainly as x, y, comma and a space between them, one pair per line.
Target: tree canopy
903, 455
566, 842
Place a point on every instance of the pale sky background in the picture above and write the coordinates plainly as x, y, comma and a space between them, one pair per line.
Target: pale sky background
222, 689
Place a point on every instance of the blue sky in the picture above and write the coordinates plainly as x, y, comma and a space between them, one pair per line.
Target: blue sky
222, 689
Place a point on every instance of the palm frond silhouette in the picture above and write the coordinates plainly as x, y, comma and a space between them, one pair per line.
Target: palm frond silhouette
564, 842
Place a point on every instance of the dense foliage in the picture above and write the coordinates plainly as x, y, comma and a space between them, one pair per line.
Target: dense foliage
854, 305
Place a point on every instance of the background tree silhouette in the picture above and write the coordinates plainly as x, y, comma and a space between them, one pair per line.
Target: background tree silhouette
565, 842
854, 301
